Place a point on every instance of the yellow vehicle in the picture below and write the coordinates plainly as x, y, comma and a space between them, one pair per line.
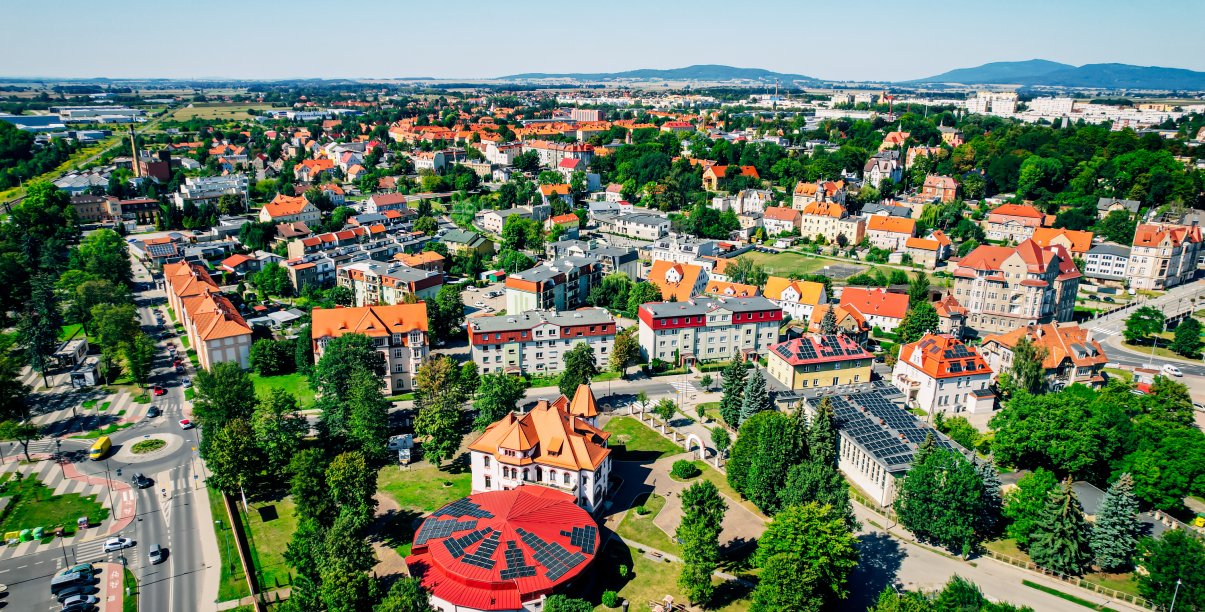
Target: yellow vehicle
100, 448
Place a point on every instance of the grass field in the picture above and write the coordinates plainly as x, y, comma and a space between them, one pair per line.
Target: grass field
421, 486
33, 504
232, 112
787, 264
637, 529
232, 583
649, 580
297, 384
272, 525
634, 441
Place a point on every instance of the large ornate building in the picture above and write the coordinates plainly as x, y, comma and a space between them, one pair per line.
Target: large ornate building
1003, 288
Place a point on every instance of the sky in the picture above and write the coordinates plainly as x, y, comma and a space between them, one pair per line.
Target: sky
840, 40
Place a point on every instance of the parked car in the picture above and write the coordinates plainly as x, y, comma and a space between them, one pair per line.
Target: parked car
79, 589
185, 424
157, 554
141, 481
185, 382
113, 544
82, 567
80, 599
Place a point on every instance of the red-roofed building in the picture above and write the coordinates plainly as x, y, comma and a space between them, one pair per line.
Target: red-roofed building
879, 307
715, 177
1003, 288
399, 330
1013, 222
240, 264
289, 209
890, 233
814, 360
1072, 356
497, 550
780, 219
213, 325
938, 373
1163, 256
939, 188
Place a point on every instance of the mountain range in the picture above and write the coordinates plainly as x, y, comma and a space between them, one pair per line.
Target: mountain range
1054, 74
701, 72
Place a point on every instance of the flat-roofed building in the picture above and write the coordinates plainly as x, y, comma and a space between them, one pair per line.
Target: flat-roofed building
535, 342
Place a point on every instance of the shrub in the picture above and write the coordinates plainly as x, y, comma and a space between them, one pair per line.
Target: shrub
147, 446
610, 599
641, 510
684, 470
623, 571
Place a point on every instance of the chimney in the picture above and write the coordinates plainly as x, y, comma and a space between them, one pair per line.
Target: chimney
134, 152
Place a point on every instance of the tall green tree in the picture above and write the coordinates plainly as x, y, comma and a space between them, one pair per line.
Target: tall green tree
303, 352
643, 292
368, 416
139, 356
232, 456
309, 489
224, 393
1175, 567
1187, 341
105, 255
828, 323
918, 288
733, 392
23, 433
497, 395
39, 325
1116, 530
445, 314
806, 555
626, 350
438, 400
1025, 506
580, 368
766, 448
699, 532
920, 319
941, 499
406, 595
1143, 323
1060, 540
991, 508
756, 397
353, 482
279, 428
1028, 373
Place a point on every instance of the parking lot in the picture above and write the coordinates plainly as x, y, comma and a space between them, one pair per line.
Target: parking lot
478, 304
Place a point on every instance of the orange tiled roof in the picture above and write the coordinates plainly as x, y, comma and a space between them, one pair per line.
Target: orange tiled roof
724, 288
824, 209
781, 213
940, 357
842, 313
285, 206
875, 302
368, 320
556, 438
810, 292
895, 225
554, 190
1018, 210
418, 259
215, 317
1062, 342
1079, 241
1150, 234
684, 288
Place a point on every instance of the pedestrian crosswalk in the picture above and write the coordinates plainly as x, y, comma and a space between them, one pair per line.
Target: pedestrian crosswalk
1104, 331
684, 386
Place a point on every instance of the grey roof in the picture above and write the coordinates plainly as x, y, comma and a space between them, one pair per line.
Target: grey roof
392, 270
1109, 248
459, 236
1105, 203
546, 271
875, 208
532, 318
702, 306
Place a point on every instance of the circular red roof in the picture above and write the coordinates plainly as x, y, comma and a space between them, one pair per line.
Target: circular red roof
495, 550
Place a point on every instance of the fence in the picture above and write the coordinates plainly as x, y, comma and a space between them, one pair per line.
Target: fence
1072, 580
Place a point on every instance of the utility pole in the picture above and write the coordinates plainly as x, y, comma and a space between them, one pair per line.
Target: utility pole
1176, 593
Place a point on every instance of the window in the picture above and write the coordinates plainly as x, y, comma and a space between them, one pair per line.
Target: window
488, 484
566, 478
486, 461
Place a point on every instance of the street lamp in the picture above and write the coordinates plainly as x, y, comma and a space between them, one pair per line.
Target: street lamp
226, 535
1177, 592
108, 477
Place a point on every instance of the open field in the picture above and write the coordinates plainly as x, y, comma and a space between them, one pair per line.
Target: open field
232, 584
422, 486
272, 524
207, 110
295, 383
787, 263
33, 504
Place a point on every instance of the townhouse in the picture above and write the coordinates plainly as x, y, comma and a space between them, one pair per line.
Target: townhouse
815, 360
1076, 242
562, 284
939, 188
780, 220
398, 332
289, 209
882, 166
708, 329
1003, 288
795, 297
879, 307
821, 191
215, 329
535, 342
1013, 222
373, 282
938, 373
730, 289
1163, 255
1072, 355
716, 177
929, 252
890, 233
830, 220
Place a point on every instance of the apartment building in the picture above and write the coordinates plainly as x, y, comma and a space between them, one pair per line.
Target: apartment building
890, 233
1072, 355
831, 220
821, 191
1013, 222
882, 166
287, 209
939, 188
399, 333
682, 249
209, 189
795, 297
815, 360
1003, 288
215, 329
1107, 262
780, 220
641, 226
938, 373
374, 282
535, 342
612, 259
708, 329
1163, 256
562, 284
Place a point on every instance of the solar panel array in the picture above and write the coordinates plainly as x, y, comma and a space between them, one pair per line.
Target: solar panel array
582, 537
516, 563
456, 546
554, 557
463, 507
875, 423
441, 528
483, 557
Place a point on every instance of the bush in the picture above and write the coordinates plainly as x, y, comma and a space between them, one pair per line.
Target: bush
610, 599
684, 470
641, 510
623, 571
147, 446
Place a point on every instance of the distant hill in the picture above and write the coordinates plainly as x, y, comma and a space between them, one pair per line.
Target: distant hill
1054, 74
997, 72
702, 72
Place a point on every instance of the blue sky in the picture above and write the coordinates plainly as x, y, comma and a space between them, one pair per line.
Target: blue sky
873, 39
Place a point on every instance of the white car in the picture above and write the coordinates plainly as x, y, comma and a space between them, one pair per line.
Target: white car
113, 544
1171, 370
479, 304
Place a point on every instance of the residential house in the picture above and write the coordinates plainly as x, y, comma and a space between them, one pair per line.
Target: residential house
398, 332
915, 153
708, 329
879, 307
951, 136
287, 232
821, 191
815, 360
461, 242
1107, 262
1163, 256
882, 166
850, 322
730, 289
677, 281
562, 284
334, 193
796, 298
779, 220
536, 341
939, 188
830, 220
1072, 356
614, 193
310, 170
929, 252
715, 177
890, 233
289, 209
90, 208
1104, 206
641, 226
551, 193
938, 373
1004, 288
951, 316
1013, 222
383, 202
894, 140
1076, 242
373, 282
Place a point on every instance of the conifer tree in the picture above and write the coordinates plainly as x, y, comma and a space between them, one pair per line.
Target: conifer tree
1115, 534
1060, 540
993, 502
756, 398
828, 324
734, 392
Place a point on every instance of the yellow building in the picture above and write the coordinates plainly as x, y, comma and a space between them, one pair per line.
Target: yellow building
819, 361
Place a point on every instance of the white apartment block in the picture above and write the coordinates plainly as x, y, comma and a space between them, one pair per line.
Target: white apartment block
708, 329
535, 342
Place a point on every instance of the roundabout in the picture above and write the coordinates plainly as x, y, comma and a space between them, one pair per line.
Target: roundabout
126, 454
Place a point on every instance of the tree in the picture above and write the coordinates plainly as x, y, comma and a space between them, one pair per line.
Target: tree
822, 435
497, 395
920, 319
626, 350
303, 352
438, 401
406, 595
665, 410
580, 368
231, 454
941, 499
341, 296
734, 392
425, 225
1074, 432
368, 416
1144, 322
992, 502
353, 481
113, 325
720, 439
756, 398
706, 381
273, 279
918, 288
699, 532
23, 433
514, 261
445, 314
139, 357
564, 603
104, 255
1024, 506
224, 393
767, 446
1187, 341
828, 323
309, 488
1175, 567
333, 375
279, 429
1117, 226
744, 271
643, 292
1116, 530
806, 556
39, 325
1060, 540
272, 357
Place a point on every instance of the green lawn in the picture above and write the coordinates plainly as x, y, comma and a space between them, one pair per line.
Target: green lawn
788, 263
636, 529
69, 331
634, 441
295, 383
1007, 547
232, 582
33, 504
422, 486
711, 410
129, 603
104, 431
272, 525
1125, 375
605, 376
1118, 582
1145, 349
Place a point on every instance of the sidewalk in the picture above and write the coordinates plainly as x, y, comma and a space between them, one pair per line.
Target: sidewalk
112, 587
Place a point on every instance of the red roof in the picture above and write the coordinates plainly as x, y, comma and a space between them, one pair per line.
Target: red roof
824, 349
943, 356
1018, 210
875, 302
498, 549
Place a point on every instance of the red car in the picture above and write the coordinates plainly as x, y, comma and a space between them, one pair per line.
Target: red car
157, 390
177, 363
185, 424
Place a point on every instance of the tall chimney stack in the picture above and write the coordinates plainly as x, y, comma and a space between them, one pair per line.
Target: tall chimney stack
134, 152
